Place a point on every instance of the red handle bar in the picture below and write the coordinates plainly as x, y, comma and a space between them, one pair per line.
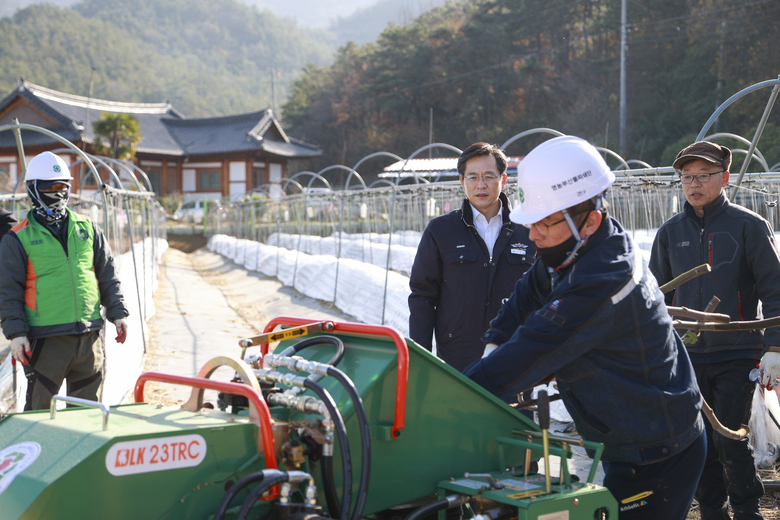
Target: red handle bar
264, 443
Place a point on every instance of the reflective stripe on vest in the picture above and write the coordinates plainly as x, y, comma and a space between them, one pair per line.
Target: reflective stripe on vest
60, 288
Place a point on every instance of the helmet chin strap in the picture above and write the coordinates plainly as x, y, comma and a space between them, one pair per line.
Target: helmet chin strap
575, 232
40, 200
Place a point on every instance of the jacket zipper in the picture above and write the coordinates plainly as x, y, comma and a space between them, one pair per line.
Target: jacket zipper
72, 282
701, 286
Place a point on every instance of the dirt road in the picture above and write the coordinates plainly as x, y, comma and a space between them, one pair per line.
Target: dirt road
205, 304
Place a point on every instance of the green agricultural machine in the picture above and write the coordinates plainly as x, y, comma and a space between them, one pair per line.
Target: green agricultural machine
343, 421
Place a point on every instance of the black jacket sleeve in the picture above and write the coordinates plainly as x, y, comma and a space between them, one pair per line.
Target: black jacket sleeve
7, 221
764, 261
425, 282
108, 281
13, 280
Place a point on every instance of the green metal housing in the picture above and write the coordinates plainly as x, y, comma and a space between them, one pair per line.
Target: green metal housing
452, 426
70, 478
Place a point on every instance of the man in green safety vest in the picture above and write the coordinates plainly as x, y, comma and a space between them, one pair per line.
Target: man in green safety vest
56, 270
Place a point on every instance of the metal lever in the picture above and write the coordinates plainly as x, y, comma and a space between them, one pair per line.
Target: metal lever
82, 402
544, 423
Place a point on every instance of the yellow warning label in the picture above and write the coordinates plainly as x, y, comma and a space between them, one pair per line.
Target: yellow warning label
288, 334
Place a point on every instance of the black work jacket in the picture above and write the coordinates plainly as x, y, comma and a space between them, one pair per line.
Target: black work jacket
739, 246
7, 221
457, 288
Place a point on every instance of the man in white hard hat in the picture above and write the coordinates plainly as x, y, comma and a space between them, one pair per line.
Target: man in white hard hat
56, 270
740, 247
590, 313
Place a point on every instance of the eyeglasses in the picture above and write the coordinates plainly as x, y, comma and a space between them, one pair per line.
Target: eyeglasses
700, 178
544, 227
488, 178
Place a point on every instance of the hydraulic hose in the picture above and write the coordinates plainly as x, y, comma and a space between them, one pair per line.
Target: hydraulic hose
259, 490
346, 459
239, 485
331, 497
365, 438
447, 503
335, 360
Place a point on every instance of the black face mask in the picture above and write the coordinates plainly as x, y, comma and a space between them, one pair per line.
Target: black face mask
54, 202
555, 255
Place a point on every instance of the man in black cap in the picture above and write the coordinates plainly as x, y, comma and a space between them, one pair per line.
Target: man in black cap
739, 246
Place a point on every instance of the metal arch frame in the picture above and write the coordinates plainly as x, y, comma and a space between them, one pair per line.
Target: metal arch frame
313, 176
755, 156
616, 155
108, 160
416, 175
743, 140
16, 127
286, 182
391, 184
112, 174
129, 167
140, 170
102, 159
532, 131
342, 167
643, 164
775, 84
371, 156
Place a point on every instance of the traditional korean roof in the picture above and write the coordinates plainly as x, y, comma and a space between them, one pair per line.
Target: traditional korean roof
165, 131
244, 132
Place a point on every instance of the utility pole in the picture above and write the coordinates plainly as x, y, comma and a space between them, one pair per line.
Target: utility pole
273, 91
86, 115
430, 133
623, 78
720, 75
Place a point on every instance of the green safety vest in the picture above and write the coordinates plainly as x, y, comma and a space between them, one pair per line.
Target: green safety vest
60, 288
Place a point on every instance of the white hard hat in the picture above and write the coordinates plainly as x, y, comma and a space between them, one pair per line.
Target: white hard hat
47, 167
558, 174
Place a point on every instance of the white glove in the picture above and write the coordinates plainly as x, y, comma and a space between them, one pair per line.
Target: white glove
489, 348
20, 346
770, 369
121, 330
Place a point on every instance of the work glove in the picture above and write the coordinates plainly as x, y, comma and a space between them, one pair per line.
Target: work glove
489, 348
770, 369
121, 330
20, 347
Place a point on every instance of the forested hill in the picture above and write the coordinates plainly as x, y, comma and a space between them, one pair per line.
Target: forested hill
208, 57
492, 68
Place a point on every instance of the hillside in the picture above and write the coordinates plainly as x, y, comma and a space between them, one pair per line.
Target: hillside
207, 57
489, 69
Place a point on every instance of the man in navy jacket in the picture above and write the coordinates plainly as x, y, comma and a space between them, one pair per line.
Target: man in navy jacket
467, 262
590, 312
740, 247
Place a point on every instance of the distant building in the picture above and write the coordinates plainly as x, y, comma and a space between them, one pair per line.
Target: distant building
442, 169
207, 157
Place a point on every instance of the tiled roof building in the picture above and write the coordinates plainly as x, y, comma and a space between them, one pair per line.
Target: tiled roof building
217, 156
